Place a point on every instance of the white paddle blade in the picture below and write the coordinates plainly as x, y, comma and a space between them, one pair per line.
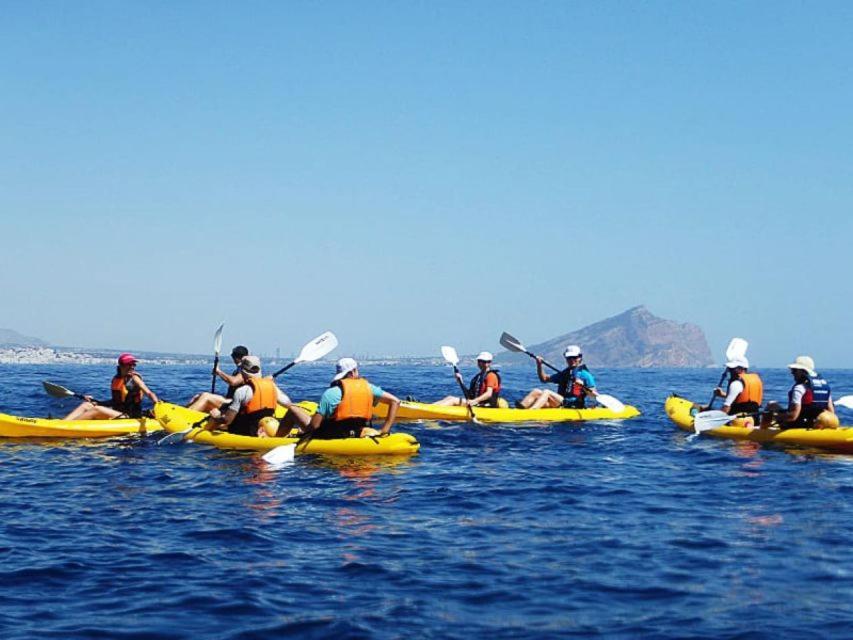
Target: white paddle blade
320, 346
513, 344
610, 403
450, 355
736, 349
280, 455
844, 401
56, 391
217, 340
707, 420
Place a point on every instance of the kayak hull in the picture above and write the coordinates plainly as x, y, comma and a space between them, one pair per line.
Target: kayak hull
22, 427
174, 418
423, 411
681, 412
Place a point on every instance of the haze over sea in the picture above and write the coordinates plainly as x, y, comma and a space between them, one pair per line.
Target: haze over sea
622, 529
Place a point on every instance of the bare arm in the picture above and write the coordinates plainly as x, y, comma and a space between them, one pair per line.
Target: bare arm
146, 390
488, 393
232, 381
393, 403
543, 377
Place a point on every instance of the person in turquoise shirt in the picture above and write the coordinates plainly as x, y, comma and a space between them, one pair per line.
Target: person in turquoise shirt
574, 384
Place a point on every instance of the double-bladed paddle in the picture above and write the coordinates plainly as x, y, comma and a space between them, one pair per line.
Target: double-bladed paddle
514, 344
707, 420
320, 346
844, 401
217, 348
452, 358
736, 349
61, 392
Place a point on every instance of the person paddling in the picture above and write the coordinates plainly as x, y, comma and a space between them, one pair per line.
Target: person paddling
127, 392
484, 390
206, 401
346, 407
745, 390
253, 401
809, 400
574, 384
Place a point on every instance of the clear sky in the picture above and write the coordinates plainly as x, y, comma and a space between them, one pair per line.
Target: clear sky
411, 174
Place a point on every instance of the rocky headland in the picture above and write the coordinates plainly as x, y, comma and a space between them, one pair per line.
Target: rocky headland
635, 338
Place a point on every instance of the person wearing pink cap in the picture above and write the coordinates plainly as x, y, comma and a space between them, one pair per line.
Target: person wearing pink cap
128, 390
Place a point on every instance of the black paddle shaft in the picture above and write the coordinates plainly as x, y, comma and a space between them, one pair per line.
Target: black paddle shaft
213, 374
719, 384
283, 369
545, 362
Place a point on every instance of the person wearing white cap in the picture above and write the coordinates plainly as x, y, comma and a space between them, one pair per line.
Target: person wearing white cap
574, 384
346, 407
745, 391
483, 390
255, 400
809, 400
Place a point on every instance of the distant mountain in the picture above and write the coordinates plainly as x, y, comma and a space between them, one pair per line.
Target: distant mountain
635, 338
8, 337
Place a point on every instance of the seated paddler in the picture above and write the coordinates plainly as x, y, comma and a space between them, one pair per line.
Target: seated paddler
744, 392
256, 399
484, 389
346, 407
574, 384
809, 401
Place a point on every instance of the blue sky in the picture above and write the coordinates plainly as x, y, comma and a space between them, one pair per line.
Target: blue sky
423, 173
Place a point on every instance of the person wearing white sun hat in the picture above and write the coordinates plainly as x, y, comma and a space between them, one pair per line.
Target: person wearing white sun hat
574, 384
745, 390
346, 407
809, 400
484, 390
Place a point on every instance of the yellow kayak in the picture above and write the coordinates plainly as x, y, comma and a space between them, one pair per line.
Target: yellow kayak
18, 427
422, 411
681, 412
175, 418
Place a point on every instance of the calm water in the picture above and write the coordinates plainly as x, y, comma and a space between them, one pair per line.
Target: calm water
624, 529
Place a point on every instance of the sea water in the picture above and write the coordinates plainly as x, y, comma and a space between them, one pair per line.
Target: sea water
625, 529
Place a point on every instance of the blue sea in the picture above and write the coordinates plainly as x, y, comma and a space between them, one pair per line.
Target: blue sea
614, 529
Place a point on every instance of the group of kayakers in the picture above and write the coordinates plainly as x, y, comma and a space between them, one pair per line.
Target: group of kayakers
809, 399
347, 406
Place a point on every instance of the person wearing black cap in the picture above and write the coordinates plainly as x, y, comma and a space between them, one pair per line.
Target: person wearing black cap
207, 401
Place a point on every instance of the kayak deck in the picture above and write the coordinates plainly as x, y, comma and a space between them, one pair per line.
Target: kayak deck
423, 411
681, 412
174, 419
22, 427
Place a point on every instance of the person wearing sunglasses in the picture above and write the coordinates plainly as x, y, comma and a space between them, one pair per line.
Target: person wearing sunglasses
127, 392
574, 384
484, 390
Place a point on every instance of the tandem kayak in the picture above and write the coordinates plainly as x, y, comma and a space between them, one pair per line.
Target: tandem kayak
18, 427
423, 411
174, 418
681, 412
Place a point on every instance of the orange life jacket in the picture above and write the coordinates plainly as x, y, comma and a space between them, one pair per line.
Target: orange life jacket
264, 396
753, 389
356, 400
123, 399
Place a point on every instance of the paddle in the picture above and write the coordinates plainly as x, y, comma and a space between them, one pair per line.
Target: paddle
736, 349
280, 455
513, 344
844, 401
706, 420
452, 359
217, 347
180, 436
320, 346
609, 402
61, 392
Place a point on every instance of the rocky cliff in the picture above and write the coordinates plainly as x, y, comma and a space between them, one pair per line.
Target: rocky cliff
635, 338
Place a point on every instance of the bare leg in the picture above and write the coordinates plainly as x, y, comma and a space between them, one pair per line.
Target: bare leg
449, 401
530, 398
295, 417
89, 411
548, 399
205, 402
